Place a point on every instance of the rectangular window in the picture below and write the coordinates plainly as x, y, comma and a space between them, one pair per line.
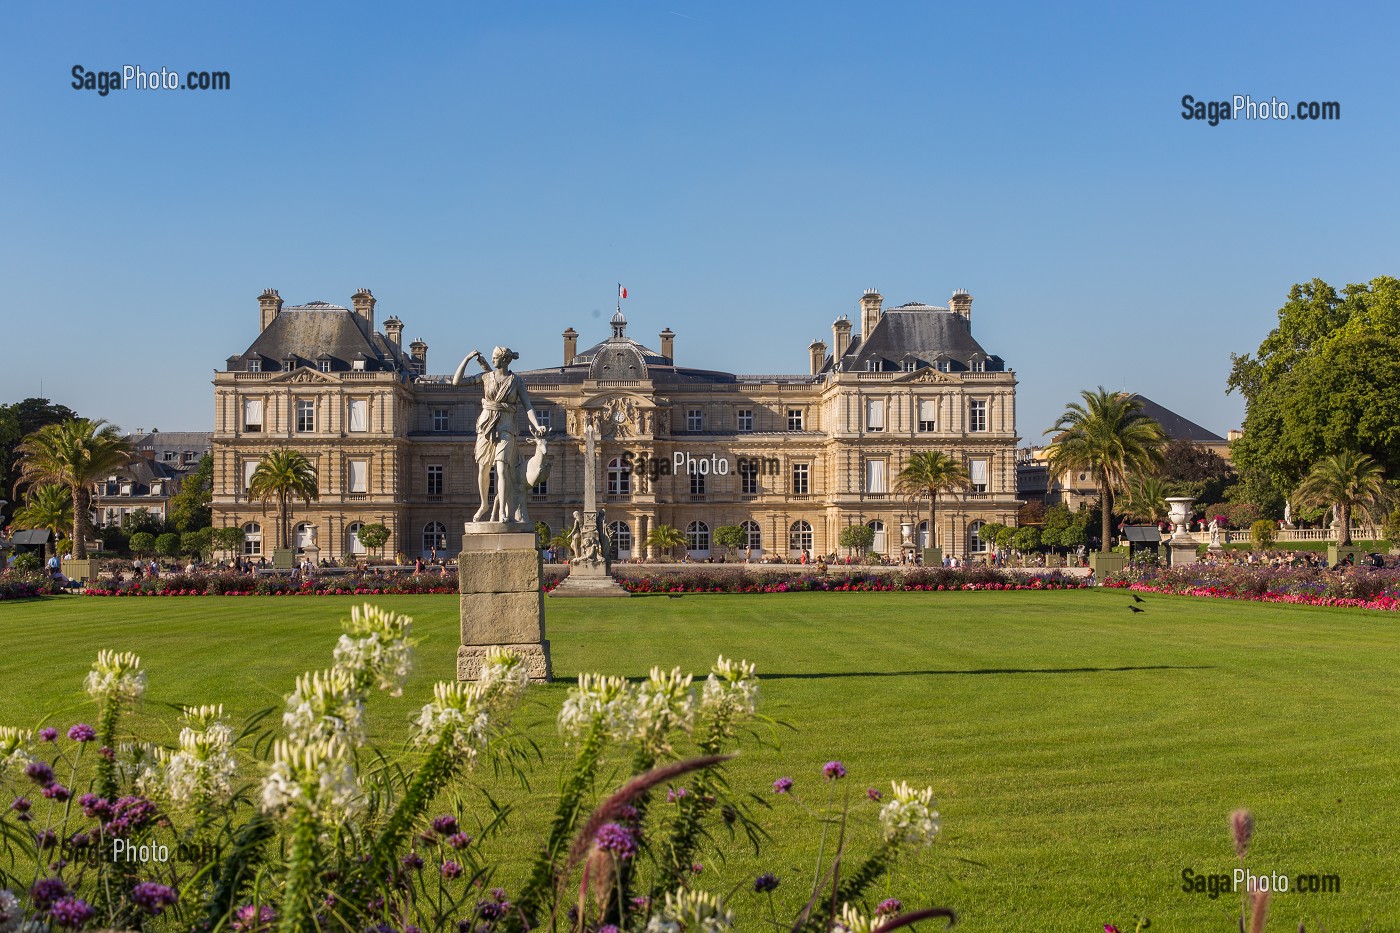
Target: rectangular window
248, 467
168, 456
745, 421
697, 484
252, 415
439, 419
875, 414
979, 366
695, 420
978, 469
872, 366
794, 419
359, 477
255, 366
435, 480
540, 490
323, 365
545, 419
359, 414
928, 414
875, 477
306, 416
977, 415
748, 478
801, 476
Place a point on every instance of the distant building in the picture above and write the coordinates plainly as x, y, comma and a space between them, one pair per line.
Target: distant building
162, 461
792, 459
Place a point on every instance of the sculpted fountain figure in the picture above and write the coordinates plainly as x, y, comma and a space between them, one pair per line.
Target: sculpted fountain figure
503, 395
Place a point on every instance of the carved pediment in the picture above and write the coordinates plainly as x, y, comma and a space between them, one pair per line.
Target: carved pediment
304, 375
926, 376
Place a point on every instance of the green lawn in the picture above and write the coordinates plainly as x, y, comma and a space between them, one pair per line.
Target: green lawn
1082, 755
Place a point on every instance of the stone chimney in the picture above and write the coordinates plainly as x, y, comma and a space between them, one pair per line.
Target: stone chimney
393, 330
840, 338
869, 312
668, 344
363, 303
269, 306
570, 345
418, 350
961, 305
818, 350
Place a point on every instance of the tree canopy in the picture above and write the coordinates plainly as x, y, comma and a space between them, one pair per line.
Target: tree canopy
189, 508
74, 454
17, 421
1325, 380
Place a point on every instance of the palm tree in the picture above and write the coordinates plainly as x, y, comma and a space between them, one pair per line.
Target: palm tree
1351, 481
48, 506
665, 538
1110, 436
284, 475
1147, 499
75, 454
928, 473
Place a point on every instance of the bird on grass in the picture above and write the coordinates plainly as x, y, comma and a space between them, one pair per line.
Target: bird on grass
1135, 609
1137, 598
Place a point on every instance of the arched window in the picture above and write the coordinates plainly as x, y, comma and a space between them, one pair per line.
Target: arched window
697, 539
754, 537
800, 536
252, 539
434, 538
619, 477
304, 536
352, 539
620, 536
974, 538
878, 545
923, 535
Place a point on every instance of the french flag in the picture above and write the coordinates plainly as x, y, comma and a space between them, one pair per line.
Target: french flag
621, 292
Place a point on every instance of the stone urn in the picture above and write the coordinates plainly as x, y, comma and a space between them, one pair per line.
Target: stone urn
906, 534
1179, 510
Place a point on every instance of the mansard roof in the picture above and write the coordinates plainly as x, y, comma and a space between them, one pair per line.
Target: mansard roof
925, 332
319, 330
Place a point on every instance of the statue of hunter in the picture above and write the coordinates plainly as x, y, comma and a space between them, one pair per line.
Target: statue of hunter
503, 393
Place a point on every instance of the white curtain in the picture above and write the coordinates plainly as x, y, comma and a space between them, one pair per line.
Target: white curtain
928, 410
875, 414
252, 413
978, 469
359, 414
875, 476
359, 476
248, 467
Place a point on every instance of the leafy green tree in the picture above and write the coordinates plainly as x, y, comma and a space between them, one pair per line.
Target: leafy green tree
1146, 500
542, 535
665, 538
374, 536
1109, 435
1326, 379
189, 508
168, 544
75, 454
1190, 469
929, 473
1005, 535
1351, 481
857, 537
18, 421
731, 537
1026, 539
1058, 518
143, 544
141, 519
229, 539
989, 531
1262, 533
283, 476
47, 506
197, 544
1391, 529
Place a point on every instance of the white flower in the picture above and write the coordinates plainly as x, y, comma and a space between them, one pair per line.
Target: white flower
457, 715
203, 769
316, 779
664, 703
325, 705
376, 649
143, 765
687, 911
730, 694
14, 751
504, 677
599, 702
117, 677
10, 913
909, 818
853, 921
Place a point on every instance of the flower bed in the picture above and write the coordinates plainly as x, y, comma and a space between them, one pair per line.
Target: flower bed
1358, 587
739, 580
243, 584
25, 585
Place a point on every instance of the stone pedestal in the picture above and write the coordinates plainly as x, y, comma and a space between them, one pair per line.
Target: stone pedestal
498, 574
589, 579
1181, 549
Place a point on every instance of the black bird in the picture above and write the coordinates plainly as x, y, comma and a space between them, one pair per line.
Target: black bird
1137, 598
678, 596
1135, 609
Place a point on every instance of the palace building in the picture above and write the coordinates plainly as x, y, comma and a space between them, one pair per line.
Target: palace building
792, 459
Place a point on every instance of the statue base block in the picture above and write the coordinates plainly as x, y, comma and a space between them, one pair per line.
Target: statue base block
498, 528
471, 657
498, 577
587, 579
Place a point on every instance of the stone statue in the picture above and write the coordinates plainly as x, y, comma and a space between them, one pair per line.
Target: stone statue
1214, 533
503, 394
1288, 515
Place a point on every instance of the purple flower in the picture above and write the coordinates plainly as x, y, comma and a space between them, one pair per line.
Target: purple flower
57, 792
82, 732
412, 861
873, 794
445, 825
39, 772
765, 882
46, 891
616, 838
107, 753
697, 867
95, 806
459, 840
641, 902
130, 814
80, 840
889, 907
609, 928
153, 897
451, 869
782, 785
834, 770
45, 839
250, 918
48, 734
676, 793
491, 910
70, 912
21, 805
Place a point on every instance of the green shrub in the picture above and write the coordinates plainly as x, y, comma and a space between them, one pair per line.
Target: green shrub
1262, 532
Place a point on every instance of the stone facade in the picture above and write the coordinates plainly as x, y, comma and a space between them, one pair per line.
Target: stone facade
792, 458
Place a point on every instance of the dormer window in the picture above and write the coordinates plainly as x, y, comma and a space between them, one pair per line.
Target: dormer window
872, 366
945, 366
255, 366
323, 365
910, 365
979, 366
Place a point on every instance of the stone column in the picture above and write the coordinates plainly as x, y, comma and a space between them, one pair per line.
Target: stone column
502, 606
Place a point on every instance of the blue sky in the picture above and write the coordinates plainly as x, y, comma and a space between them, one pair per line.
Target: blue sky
492, 171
